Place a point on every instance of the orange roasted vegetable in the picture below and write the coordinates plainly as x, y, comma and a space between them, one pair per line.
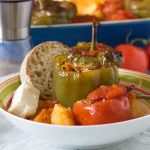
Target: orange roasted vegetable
44, 116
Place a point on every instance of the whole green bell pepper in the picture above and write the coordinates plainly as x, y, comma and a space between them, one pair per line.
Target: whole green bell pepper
74, 84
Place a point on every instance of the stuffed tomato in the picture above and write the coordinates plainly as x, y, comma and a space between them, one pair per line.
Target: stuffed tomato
107, 104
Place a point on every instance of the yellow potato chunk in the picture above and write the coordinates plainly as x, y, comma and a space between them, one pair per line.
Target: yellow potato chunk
61, 115
44, 116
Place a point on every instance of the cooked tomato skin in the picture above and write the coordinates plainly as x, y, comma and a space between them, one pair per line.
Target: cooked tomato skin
107, 92
102, 112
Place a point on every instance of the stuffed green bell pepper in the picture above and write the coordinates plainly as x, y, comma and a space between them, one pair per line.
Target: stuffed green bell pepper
75, 75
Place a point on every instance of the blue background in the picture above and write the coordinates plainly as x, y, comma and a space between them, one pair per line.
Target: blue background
111, 34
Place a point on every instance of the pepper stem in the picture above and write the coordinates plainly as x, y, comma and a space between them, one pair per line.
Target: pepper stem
94, 35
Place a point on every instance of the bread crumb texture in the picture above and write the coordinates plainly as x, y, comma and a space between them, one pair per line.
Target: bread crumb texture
37, 66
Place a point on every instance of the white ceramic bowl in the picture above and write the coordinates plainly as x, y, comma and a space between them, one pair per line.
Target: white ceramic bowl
81, 137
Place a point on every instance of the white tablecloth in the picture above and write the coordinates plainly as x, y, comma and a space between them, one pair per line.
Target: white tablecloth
11, 138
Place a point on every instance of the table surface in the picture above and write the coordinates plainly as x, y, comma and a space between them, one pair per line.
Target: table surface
11, 138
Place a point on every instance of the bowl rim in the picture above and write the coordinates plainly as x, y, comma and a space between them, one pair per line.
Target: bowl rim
16, 76
89, 23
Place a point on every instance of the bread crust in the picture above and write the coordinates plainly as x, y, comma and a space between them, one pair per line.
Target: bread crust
36, 68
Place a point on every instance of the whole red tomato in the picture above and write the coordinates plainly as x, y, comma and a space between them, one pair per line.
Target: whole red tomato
103, 110
134, 58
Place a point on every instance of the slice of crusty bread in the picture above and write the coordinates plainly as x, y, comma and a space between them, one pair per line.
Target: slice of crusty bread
37, 66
